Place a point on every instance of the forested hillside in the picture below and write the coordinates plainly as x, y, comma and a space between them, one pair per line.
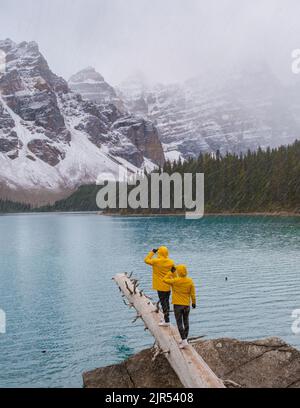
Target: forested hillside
12, 207
262, 181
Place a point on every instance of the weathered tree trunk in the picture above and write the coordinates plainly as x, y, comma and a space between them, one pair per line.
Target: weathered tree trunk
191, 369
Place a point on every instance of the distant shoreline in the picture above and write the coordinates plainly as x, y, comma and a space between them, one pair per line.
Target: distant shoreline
141, 215
51, 212
224, 214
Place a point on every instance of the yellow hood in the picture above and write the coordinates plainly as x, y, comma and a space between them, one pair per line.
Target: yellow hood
163, 252
181, 271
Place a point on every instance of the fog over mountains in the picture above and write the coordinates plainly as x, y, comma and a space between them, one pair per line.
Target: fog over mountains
169, 41
246, 109
57, 135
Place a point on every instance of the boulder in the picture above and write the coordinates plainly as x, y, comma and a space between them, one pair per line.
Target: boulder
267, 363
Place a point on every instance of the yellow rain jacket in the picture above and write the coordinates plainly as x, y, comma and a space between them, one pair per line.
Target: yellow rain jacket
183, 288
161, 265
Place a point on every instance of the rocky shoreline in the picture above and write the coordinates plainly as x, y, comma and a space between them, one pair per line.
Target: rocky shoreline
267, 363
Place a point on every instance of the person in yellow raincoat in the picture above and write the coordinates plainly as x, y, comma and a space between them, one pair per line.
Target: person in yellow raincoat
183, 295
161, 265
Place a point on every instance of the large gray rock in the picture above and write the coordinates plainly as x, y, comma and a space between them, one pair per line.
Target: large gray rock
268, 363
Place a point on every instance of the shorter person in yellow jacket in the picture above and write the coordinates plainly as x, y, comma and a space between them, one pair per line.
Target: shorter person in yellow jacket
183, 294
161, 266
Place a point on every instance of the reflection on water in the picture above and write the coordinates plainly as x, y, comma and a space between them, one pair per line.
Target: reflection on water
65, 315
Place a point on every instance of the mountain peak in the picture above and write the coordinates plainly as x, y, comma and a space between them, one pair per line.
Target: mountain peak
86, 75
8, 45
31, 45
92, 86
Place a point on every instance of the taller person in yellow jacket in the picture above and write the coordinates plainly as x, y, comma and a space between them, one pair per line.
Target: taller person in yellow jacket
161, 265
183, 294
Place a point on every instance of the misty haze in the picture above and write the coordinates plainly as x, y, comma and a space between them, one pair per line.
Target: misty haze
167, 41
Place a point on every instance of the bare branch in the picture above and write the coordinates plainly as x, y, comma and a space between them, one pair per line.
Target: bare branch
128, 288
148, 297
136, 318
125, 303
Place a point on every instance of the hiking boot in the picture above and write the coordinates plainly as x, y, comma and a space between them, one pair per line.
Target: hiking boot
184, 344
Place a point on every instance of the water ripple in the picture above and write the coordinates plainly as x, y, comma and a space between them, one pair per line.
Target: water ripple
65, 315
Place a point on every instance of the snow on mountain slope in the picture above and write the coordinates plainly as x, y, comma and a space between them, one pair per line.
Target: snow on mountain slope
83, 161
52, 138
243, 110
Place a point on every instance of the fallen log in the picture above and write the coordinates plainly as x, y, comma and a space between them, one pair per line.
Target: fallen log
190, 368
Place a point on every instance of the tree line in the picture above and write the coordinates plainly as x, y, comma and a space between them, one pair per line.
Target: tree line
7, 206
258, 181
262, 180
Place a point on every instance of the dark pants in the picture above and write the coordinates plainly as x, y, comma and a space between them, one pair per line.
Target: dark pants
164, 298
182, 318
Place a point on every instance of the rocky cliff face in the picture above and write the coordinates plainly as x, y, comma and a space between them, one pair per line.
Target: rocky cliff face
236, 112
229, 112
268, 363
52, 138
92, 86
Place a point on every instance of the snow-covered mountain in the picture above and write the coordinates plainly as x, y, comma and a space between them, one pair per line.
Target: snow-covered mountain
237, 112
52, 139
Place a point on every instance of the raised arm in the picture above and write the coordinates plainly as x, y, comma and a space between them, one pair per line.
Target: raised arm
149, 258
170, 279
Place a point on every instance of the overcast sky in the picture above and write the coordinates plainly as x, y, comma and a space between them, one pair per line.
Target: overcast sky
168, 40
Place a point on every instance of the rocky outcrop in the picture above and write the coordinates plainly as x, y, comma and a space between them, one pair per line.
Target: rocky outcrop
9, 141
144, 135
53, 138
45, 151
268, 363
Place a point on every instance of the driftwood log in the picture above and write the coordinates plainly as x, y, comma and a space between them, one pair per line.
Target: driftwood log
190, 368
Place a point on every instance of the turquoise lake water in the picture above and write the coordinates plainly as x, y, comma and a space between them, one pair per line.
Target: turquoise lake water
65, 315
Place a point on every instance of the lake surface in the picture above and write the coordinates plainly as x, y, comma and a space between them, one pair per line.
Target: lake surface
65, 315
